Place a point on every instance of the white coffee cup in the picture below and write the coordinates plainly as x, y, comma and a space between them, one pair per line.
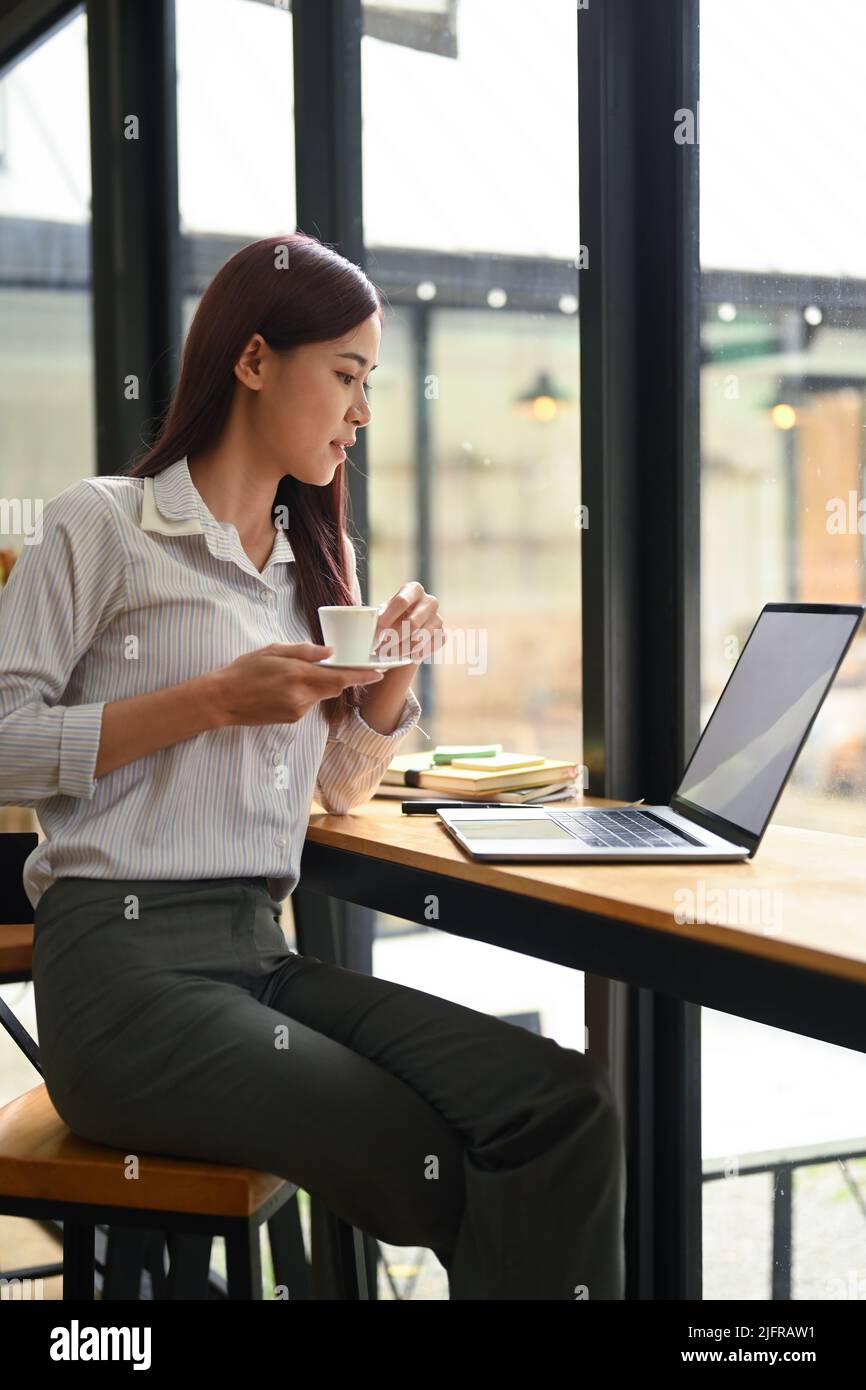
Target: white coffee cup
350, 630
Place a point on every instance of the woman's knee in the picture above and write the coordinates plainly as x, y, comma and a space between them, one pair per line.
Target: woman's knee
580, 1094
573, 1075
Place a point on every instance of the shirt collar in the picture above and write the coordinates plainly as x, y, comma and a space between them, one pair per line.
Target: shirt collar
173, 506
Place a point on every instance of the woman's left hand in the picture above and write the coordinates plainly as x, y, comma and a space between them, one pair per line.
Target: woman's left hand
409, 625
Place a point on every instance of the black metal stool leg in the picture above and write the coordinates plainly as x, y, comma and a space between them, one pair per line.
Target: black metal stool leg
339, 1266
189, 1269
291, 1270
244, 1261
79, 1251
125, 1256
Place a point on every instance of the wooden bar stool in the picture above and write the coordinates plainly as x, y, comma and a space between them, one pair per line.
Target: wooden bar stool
47, 1172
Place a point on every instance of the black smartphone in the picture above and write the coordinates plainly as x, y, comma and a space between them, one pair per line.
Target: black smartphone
424, 806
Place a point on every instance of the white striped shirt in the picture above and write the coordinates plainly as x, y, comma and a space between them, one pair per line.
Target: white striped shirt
136, 586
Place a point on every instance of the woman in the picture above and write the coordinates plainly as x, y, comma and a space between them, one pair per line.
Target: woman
163, 707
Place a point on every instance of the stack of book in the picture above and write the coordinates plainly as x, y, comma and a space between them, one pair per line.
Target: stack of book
479, 772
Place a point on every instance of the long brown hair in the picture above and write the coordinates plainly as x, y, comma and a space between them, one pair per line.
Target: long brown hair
322, 296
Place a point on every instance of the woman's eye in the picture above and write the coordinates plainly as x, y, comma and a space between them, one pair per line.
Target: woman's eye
347, 381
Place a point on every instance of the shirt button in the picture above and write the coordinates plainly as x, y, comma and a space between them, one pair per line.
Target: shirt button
280, 840
264, 593
276, 759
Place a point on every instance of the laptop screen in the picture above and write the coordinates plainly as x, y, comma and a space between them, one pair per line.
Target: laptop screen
754, 734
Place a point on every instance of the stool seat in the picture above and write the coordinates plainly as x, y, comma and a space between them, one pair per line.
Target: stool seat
16, 951
40, 1157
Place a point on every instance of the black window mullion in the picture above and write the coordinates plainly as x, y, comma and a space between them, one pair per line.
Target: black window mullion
640, 558
327, 84
135, 234
639, 305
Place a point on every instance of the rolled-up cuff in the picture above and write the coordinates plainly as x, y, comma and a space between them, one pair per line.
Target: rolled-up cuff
356, 733
79, 749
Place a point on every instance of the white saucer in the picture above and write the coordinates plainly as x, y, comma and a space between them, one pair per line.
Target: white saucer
366, 665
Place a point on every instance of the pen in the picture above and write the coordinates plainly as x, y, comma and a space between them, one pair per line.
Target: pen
423, 806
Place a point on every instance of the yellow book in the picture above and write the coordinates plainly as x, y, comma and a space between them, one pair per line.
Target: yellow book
403, 768
458, 779
499, 762
416, 770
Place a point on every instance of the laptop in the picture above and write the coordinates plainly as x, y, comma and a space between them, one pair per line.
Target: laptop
734, 778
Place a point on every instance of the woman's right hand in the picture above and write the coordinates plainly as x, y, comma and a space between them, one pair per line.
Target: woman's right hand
279, 683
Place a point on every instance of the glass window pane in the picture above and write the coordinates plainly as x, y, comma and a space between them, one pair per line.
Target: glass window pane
506, 492
467, 167
783, 344
474, 448
46, 357
235, 117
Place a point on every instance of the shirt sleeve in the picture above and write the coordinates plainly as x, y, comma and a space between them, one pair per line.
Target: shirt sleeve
356, 755
63, 588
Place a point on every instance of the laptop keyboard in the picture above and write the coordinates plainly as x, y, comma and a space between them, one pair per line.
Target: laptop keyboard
621, 829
